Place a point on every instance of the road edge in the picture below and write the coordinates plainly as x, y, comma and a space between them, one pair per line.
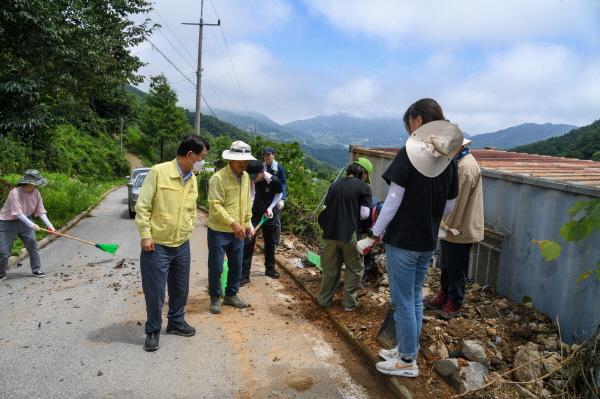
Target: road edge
369, 357
69, 225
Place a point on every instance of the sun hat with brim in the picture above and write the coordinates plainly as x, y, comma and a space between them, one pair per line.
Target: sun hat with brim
239, 151
34, 177
432, 146
367, 166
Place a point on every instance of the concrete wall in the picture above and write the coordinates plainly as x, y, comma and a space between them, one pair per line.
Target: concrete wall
523, 210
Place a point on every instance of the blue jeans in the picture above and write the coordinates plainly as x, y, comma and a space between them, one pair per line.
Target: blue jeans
165, 265
219, 245
406, 272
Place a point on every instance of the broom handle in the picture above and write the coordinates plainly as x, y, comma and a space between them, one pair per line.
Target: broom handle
67, 236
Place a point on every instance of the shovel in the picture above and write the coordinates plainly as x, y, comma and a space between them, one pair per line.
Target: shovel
110, 248
387, 333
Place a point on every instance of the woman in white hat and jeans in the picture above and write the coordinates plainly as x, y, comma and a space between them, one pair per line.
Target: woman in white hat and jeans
423, 183
23, 201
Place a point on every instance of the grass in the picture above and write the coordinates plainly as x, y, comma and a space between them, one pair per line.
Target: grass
64, 198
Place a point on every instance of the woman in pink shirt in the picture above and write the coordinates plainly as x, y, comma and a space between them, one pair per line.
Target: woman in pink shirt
23, 201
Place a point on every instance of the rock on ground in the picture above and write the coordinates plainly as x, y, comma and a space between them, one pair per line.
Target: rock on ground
527, 353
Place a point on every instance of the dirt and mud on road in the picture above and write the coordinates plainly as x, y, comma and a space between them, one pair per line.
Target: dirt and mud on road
507, 334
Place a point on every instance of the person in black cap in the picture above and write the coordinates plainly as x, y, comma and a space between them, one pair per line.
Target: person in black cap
275, 168
267, 191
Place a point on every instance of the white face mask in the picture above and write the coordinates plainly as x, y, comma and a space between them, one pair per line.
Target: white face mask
198, 165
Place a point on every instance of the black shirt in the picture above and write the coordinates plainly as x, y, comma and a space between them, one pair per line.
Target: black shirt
340, 218
264, 194
416, 223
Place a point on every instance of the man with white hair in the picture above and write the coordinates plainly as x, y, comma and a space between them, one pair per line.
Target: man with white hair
229, 222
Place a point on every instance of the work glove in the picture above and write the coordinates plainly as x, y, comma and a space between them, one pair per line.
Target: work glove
365, 245
269, 213
280, 205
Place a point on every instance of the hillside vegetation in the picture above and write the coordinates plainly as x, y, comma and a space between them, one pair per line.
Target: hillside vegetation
581, 143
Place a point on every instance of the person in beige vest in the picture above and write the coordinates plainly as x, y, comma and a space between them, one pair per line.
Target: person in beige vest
459, 231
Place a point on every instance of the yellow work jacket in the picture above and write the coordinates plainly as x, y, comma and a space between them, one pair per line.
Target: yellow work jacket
228, 200
166, 207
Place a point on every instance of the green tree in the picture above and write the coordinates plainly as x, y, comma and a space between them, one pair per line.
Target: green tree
163, 122
57, 57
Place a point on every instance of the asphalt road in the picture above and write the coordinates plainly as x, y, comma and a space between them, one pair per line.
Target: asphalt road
78, 333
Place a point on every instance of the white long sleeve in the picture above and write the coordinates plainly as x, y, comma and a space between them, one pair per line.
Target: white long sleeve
27, 221
276, 200
365, 212
44, 218
449, 206
389, 209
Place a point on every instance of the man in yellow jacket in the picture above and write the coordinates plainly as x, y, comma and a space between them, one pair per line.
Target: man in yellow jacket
462, 228
166, 216
229, 222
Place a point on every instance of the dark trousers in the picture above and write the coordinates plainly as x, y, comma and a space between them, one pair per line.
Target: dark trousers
170, 266
454, 262
270, 236
219, 245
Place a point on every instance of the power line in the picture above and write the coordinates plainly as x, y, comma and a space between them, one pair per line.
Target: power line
180, 72
231, 60
174, 35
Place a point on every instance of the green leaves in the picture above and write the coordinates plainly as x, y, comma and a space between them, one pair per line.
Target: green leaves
550, 249
576, 230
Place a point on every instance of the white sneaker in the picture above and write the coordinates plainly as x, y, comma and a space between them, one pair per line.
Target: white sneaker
389, 354
2, 278
398, 367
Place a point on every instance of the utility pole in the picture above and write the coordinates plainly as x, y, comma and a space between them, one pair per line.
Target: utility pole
201, 24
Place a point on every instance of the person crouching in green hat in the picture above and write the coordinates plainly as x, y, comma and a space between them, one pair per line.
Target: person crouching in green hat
23, 201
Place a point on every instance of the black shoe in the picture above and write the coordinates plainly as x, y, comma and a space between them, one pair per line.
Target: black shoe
38, 274
244, 281
215, 304
234, 301
151, 343
180, 328
272, 273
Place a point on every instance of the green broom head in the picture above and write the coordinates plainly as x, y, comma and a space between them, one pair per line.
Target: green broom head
314, 259
110, 248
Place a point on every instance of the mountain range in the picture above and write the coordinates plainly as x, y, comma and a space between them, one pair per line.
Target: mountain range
327, 137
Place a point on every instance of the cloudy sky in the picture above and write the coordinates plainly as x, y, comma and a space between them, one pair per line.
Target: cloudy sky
490, 63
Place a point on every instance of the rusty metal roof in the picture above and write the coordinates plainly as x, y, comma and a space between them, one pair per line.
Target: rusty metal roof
563, 171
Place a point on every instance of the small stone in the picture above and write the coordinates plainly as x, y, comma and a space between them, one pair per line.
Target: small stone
99, 373
473, 350
491, 331
472, 377
525, 354
446, 367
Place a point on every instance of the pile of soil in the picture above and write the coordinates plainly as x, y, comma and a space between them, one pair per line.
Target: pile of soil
502, 326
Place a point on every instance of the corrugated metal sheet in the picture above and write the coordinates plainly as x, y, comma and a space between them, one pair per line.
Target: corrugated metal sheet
527, 197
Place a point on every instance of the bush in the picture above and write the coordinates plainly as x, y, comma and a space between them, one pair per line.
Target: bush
14, 156
81, 155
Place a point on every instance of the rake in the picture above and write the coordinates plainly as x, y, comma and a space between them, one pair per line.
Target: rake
110, 248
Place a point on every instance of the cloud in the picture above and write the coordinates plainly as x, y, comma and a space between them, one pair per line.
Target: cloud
462, 21
528, 83
356, 96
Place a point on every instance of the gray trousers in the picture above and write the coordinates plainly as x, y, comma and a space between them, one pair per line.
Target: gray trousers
9, 230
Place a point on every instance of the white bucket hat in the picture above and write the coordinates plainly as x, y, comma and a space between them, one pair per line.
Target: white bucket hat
432, 146
467, 142
239, 151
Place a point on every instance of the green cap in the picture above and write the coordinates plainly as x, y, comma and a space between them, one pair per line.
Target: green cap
366, 164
